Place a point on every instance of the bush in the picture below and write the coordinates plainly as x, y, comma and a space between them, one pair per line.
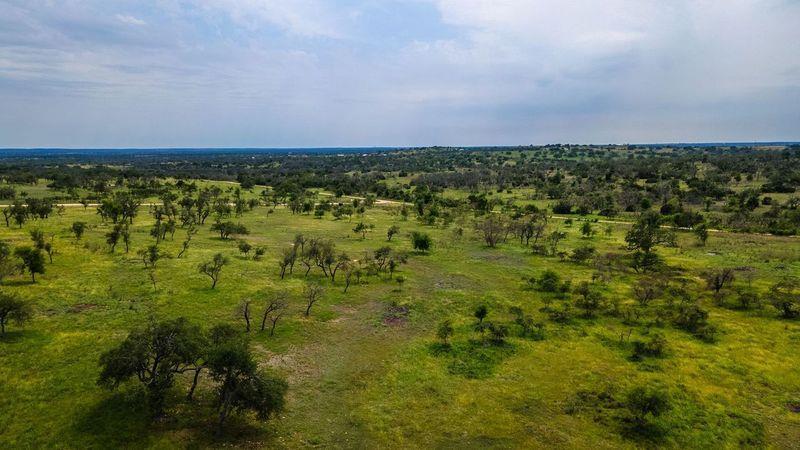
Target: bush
582, 254
421, 241
550, 281
654, 347
694, 319
644, 404
562, 207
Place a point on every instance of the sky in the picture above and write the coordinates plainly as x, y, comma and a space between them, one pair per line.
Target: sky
315, 73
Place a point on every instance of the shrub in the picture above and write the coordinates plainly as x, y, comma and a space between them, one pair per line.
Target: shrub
582, 254
421, 241
644, 404
549, 281
654, 347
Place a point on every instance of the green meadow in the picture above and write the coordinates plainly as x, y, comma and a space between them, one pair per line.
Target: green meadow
366, 370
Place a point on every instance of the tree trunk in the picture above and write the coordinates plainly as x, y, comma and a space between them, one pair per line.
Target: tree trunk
272, 329
190, 395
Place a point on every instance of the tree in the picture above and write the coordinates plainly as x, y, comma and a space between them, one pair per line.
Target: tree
363, 229
19, 212
645, 235
646, 290
32, 260
287, 260
150, 256
528, 328
190, 232
37, 236
480, 313
445, 331
312, 294
493, 228
226, 229
213, 268
120, 207
394, 229
587, 230
78, 229
497, 333
13, 309
785, 297
717, 280
125, 234
421, 241
244, 310
114, 235
589, 300
154, 355
275, 309
240, 384
50, 249
701, 232
244, 248
644, 403
553, 239
582, 254
7, 265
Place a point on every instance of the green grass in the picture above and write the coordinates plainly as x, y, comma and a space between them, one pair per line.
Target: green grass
358, 381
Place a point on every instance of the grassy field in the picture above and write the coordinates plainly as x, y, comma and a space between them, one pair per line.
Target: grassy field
364, 370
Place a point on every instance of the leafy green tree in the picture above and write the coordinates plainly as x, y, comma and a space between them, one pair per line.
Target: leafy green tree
32, 260
497, 333
226, 229
244, 248
13, 309
643, 238
646, 403
78, 228
50, 249
154, 355
394, 229
150, 255
785, 297
37, 236
213, 268
241, 385
701, 232
480, 313
8, 266
445, 331
554, 239
114, 235
587, 230
421, 241
589, 300
362, 229
717, 280
582, 254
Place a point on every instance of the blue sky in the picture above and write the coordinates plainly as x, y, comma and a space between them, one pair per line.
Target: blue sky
295, 73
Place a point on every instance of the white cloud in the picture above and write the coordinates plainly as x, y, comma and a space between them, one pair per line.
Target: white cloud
309, 18
311, 72
130, 20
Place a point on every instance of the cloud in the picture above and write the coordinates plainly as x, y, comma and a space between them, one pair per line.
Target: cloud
130, 20
404, 72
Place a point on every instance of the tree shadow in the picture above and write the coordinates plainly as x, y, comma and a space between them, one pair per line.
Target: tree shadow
18, 282
123, 420
12, 336
120, 420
